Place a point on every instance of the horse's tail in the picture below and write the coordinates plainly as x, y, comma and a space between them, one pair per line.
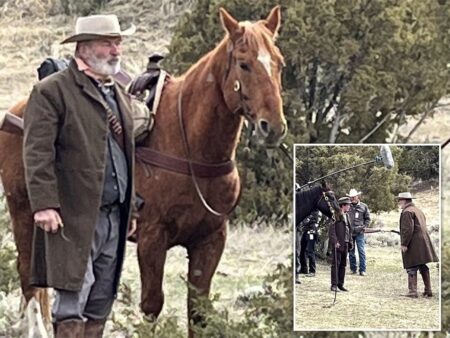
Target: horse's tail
42, 298
37, 314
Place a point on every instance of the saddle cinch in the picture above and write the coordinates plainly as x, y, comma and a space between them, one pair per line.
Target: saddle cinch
147, 89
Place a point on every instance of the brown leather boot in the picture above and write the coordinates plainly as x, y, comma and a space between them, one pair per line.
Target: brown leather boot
71, 328
94, 328
412, 285
427, 282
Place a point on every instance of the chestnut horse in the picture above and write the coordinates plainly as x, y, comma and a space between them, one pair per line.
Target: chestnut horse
240, 78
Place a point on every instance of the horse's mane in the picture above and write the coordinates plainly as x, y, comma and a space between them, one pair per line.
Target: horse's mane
304, 201
306, 195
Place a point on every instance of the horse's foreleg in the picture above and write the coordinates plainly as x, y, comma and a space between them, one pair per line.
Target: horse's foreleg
204, 256
152, 248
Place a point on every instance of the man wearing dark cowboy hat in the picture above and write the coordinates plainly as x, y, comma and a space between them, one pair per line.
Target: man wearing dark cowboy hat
417, 249
360, 219
79, 165
340, 234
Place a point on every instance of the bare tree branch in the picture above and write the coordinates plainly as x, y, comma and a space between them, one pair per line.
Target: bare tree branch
417, 125
432, 108
335, 128
379, 124
397, 126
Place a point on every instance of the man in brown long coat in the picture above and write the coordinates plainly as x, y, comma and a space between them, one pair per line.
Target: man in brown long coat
79, 164
340, 239
417, 249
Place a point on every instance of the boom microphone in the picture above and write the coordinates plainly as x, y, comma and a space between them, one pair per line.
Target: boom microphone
386, 157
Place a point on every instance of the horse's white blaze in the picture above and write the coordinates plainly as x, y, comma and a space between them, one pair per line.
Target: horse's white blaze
265, 59
36, 327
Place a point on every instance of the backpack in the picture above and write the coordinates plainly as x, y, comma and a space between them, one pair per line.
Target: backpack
50, 66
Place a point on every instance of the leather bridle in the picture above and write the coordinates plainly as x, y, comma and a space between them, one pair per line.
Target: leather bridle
328, 201
242, 109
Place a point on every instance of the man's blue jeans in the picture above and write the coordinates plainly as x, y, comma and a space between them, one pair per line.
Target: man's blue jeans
358, 243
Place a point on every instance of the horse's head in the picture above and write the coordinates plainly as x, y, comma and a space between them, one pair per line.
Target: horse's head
252, 81
328, 204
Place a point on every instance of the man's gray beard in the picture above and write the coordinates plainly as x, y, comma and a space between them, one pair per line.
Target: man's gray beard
101, 66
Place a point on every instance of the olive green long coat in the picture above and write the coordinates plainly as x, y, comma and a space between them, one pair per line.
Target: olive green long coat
65, 139
414, 235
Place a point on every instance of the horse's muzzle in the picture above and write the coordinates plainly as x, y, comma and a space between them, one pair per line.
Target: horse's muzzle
270, 134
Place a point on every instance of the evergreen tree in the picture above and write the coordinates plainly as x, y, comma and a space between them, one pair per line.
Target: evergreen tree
420, 162
378, 185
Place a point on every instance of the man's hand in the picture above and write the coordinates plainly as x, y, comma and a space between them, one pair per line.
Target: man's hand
404, 248
132, 229
358, 229
48, 220
337, 245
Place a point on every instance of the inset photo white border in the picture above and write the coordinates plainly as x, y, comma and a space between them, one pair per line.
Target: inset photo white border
377, 174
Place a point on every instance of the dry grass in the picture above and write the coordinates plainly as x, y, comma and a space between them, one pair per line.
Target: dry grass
375, 301
250, 254
29, 34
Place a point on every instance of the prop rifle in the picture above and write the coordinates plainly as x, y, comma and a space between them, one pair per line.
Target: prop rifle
374, 230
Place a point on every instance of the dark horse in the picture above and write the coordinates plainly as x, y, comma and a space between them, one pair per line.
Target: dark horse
240, 77
319, 197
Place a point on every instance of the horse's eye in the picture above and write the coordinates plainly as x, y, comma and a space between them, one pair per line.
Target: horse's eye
244, 66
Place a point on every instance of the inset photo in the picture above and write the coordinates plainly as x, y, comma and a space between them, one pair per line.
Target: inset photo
367, 238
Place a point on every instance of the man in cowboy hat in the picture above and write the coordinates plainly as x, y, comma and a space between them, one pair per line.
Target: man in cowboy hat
340, 234
79, 165
417, 249
360, 219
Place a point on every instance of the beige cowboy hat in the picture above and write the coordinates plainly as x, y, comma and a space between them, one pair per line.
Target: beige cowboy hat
97, 26
353, 193
405, 196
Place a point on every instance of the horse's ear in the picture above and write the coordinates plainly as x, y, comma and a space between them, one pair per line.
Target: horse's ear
273, 21
230, 24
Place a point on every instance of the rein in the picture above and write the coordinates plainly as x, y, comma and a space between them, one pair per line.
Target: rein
242, 110
191, 164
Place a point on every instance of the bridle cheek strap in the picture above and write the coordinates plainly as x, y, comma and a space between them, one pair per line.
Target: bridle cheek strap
327, 200
242, 108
